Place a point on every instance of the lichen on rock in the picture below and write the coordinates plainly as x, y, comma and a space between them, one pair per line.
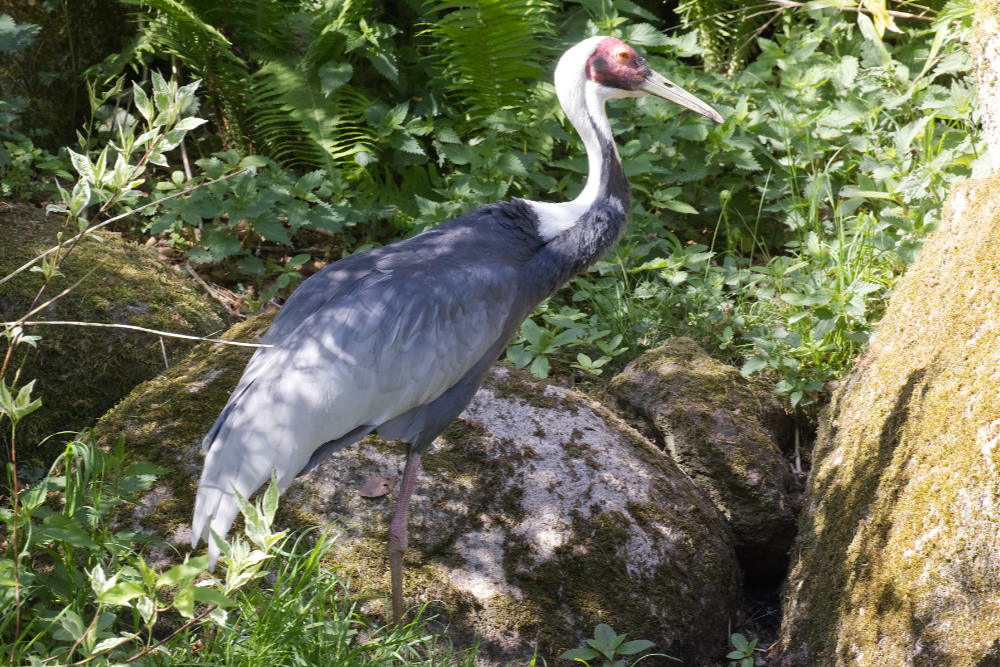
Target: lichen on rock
900, 533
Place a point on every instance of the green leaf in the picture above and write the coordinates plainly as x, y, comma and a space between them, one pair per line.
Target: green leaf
273, 230
184, 600
269, 503
15, 37
407, 144
606, 636
71, 626
752, 365
189, 123
183, 573
61, 528
35, 496
120, 593
333, 75
540, 367
211, 596
579, 654
635, 646
110, 643
80, 197
385, 64
82, 165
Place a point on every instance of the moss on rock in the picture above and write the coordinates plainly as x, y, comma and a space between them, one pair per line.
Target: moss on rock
726, 433
83, 371
519, 537
899, 558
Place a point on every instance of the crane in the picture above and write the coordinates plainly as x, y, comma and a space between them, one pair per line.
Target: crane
397, 339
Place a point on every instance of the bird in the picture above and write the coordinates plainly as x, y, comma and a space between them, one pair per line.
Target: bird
395, 340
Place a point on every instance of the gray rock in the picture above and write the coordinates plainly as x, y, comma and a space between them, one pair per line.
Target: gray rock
726, 433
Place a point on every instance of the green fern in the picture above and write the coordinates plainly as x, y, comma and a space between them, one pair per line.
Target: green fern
486, 49
276, 72
297, 125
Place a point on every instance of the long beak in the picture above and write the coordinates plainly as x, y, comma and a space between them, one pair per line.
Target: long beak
658, 85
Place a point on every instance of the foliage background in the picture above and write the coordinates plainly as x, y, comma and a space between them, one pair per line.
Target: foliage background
267, 138
772, 239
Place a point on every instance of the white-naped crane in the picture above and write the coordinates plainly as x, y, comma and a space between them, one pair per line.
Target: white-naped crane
397, 339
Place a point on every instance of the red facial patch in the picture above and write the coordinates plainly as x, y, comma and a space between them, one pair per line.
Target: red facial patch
616, 65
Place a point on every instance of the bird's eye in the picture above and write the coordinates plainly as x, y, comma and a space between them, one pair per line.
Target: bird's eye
623, 56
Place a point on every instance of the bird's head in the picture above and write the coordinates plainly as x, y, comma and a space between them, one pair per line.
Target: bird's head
611, 68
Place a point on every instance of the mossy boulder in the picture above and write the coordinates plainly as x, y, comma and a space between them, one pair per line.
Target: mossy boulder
727, 433
899, 561
83, 371
537, 514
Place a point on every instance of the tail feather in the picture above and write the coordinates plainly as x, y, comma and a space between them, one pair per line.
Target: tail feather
230, 467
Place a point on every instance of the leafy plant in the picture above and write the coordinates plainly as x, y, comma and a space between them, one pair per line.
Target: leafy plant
94, 597
611, 649
744, 652
726, 30
487, 50
561, 333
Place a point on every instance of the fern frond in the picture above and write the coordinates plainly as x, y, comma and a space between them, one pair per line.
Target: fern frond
487, 49
177, 28
297, 125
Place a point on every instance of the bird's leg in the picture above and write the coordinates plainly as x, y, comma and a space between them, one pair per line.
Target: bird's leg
397, 531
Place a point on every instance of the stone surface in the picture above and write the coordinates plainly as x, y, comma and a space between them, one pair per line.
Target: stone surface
727, 434
537, 515
83, 371
899, 561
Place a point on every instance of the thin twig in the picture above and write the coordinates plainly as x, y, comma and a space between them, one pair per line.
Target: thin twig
15, 501
93, 622
133, 327
213, 292
66, 291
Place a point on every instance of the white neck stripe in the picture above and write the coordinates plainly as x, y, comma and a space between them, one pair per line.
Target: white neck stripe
583, 101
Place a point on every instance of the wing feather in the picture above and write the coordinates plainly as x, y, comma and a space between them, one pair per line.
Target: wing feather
362, 344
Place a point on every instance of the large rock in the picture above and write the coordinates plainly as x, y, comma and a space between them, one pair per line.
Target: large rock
899, 562
83, 371
727, 434
537, 515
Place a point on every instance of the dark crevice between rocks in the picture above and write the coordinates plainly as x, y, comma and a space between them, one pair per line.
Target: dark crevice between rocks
759, 615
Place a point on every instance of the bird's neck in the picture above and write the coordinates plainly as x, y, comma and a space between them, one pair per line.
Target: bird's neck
606, 182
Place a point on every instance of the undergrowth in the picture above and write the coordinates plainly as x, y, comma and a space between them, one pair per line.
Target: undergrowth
80, 585
774, 239
288, 134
